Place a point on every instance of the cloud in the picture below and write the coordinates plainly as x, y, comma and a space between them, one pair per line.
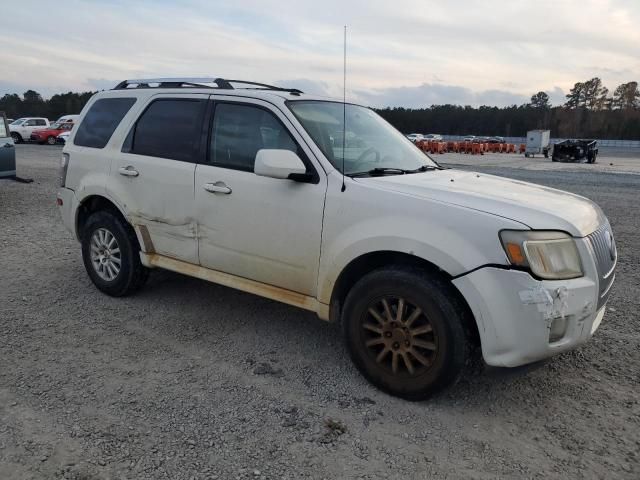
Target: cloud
420, 51
426, 95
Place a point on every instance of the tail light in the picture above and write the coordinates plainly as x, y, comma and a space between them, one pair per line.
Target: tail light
64, 164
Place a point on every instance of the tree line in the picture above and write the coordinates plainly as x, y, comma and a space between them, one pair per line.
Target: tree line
590, 111
31, 104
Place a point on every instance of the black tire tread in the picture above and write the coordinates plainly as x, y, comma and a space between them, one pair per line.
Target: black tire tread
137, 274
463, 356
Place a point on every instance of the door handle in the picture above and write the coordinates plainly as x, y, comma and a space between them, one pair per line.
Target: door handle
218, 187
8, 145
128, 171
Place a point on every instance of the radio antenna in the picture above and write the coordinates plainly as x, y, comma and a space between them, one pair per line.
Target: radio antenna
344, 105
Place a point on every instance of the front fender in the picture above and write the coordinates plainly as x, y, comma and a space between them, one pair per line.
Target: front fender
363, 220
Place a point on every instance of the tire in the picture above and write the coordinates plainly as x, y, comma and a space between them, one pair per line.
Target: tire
51, 140
435, 341
97, 248
16, 138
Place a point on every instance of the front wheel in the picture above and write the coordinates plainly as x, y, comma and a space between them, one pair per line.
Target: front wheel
404, 331
111, 255
16, 138
51, 140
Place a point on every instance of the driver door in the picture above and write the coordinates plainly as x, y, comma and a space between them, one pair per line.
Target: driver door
259, 228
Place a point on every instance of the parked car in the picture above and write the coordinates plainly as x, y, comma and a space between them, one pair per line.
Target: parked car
68, 119
469, 138
7, 151
22, 128
415, 137
50, 135
418, 263
63, 137
432, 137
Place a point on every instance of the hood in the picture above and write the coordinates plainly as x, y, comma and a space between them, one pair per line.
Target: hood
538, 207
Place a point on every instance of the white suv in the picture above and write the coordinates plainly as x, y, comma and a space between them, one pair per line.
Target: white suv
244, 187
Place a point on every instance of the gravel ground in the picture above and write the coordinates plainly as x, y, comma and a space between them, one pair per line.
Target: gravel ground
190, 380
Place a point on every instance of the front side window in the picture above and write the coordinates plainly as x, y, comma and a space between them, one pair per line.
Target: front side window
367, 143
100, 121
239, 131
169, 128
30, 123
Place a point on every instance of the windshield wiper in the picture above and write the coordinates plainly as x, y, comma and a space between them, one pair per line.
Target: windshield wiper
423, 168
380, 171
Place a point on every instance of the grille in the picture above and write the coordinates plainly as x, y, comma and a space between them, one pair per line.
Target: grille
606, 255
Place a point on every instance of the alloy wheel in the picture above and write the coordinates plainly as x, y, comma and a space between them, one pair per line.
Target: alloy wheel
105, 254
399, 336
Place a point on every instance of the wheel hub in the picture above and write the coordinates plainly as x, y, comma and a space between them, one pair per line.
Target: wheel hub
400, 336
105, 254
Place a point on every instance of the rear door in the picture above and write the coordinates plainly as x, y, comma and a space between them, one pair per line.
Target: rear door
7, 150
153, 176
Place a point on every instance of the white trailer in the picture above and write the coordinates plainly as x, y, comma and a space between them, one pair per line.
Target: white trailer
538, 141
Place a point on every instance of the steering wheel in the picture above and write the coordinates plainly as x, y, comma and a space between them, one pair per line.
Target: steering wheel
368, 152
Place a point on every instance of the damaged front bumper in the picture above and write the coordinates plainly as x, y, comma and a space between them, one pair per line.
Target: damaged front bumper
522, 319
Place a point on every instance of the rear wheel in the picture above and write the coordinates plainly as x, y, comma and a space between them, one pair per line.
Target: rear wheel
404, 331
110, 253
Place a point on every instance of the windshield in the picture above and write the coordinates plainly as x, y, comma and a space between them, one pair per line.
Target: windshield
370, 142
18, 121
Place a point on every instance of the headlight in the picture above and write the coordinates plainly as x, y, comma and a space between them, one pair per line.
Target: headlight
549, 255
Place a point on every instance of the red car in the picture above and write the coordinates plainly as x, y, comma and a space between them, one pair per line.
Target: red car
49, 135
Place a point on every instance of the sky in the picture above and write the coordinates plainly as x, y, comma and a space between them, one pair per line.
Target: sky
399, 53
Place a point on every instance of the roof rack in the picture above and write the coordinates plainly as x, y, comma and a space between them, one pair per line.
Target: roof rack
199, 82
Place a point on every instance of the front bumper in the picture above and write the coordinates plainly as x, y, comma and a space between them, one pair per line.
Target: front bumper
523, 320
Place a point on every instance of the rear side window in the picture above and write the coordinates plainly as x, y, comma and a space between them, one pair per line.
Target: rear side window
101, 120
169, 128
41, 123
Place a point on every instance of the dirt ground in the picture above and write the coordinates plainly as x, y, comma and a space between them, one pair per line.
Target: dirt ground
189, 380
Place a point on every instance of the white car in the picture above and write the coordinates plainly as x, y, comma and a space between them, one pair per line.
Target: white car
419, 264
415, 137
22, 128
63, 137
432, 137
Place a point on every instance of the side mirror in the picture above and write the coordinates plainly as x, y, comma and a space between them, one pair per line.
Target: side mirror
278, 164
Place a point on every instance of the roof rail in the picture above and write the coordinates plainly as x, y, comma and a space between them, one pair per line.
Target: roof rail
198, 82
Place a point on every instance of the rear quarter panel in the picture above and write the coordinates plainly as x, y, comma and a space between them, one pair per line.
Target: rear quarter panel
89, 168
